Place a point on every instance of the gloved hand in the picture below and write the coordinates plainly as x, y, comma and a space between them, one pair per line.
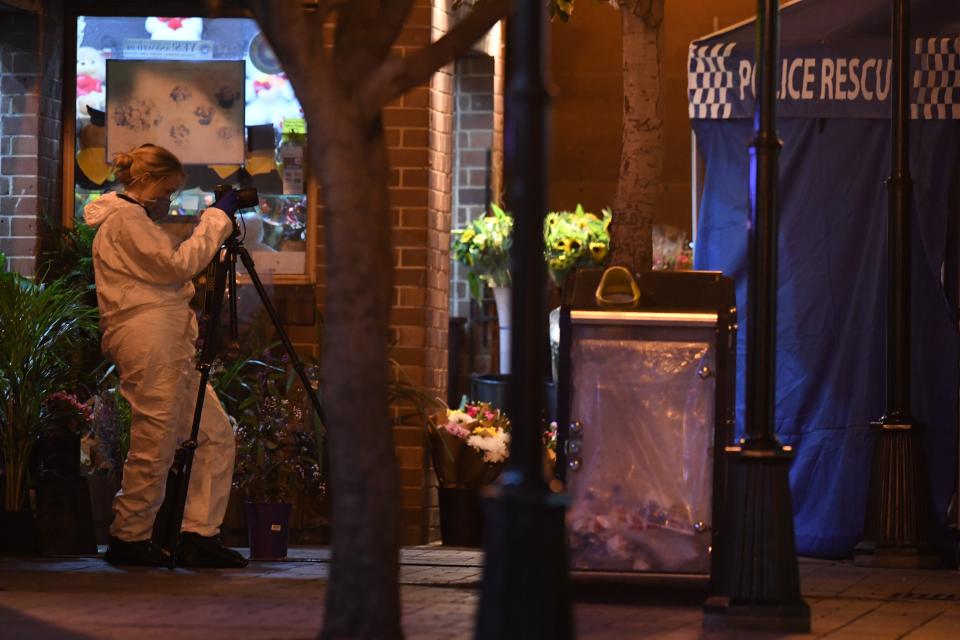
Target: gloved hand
229, 202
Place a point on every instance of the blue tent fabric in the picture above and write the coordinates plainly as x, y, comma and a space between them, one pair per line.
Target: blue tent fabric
831, 305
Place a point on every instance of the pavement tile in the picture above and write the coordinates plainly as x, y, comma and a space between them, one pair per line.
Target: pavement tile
83, 598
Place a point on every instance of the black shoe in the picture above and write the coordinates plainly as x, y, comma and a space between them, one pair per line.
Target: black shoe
207, 551
131, 554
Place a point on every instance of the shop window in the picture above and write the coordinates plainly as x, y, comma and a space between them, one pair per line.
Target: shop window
256, 104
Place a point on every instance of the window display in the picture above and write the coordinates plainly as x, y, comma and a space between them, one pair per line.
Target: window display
263, 114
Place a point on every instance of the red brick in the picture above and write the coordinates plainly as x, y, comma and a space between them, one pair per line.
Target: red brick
408, 157
18, 247
403, 117
410, 257
416, 138
24, 146
25, 104
23, 185
412, 217
409, 237
16, 84
414, 36
23, 226
404, 197
410, 276
28, 125
417, 98
414, 178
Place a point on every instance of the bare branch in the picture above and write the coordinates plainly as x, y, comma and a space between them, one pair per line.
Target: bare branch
365, 36
294, 34
396, 76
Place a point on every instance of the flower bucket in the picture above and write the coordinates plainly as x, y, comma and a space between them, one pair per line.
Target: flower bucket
268, 526
461, 518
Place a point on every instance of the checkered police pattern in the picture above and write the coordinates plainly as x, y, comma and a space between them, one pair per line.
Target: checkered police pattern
710, 83
936, 81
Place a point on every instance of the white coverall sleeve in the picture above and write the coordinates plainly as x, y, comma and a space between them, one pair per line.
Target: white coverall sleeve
149, 254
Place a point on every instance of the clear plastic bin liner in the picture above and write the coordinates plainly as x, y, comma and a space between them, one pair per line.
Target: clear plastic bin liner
641, 499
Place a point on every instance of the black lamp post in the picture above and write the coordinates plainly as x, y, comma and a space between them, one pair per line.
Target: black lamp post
897, 527
755, 581
524, 593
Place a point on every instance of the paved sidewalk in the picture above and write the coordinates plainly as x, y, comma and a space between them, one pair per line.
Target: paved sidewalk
84, 598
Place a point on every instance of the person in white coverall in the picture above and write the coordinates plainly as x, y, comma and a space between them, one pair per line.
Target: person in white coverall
143, 280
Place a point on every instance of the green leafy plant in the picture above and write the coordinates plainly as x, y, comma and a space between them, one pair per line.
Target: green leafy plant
483, 246
279, 438
69, 257
41, 326
574, 239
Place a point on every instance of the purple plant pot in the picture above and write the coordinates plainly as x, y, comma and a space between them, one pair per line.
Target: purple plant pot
268, 525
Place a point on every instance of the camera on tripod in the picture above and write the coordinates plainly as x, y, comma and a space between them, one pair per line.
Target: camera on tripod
248, 196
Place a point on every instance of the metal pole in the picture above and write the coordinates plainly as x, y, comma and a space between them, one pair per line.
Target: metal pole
762, 278
756, 582
900, 194
524, 592
898, 528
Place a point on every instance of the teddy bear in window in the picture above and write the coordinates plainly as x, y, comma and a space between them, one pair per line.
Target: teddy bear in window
174, 28
91, 75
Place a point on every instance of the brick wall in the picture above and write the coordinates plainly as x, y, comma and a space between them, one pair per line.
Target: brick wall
473, 89
31, 46
19, 126
419, 130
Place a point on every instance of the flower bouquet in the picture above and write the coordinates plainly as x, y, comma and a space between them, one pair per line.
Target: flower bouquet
469, 444
575, 239
483, 247
671, 249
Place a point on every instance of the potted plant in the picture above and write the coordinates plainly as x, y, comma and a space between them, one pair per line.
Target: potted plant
104, 448
483, 247
41, 326
574, 239
61, 495
278, 455
468, 446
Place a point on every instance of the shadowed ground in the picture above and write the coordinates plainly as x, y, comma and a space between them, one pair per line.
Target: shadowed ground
84, 598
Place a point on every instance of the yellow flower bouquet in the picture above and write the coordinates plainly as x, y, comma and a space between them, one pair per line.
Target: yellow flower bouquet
483, 247
574, 239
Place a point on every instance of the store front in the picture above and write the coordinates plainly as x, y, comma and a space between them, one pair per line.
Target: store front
83, 79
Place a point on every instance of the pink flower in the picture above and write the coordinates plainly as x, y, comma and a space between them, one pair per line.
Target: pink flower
472, 410
457, 430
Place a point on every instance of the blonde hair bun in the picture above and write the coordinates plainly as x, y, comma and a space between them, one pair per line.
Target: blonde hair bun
146, 161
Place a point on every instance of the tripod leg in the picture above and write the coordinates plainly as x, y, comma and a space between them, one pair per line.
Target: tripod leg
272, 312
167, 533
234, 292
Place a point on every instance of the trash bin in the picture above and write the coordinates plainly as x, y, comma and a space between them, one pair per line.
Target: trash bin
646, 388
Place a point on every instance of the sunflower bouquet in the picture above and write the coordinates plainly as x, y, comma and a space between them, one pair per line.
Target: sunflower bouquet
483, 247
574, 239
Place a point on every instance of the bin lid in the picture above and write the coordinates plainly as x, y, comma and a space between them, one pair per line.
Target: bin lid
660, 291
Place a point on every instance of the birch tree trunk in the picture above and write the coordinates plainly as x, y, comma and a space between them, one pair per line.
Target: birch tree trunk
343, 87
362, 598
641, 156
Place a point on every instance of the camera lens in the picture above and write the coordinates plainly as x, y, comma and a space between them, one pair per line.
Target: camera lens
248, 197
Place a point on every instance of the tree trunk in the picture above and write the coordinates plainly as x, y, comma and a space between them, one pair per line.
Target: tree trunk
641, 156
363, 599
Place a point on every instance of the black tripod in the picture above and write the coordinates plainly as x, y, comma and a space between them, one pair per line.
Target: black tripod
221, 273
